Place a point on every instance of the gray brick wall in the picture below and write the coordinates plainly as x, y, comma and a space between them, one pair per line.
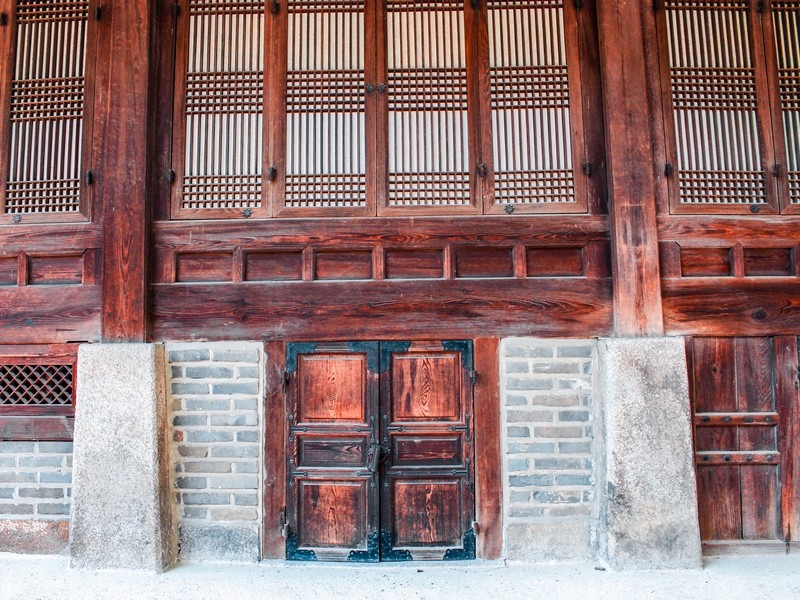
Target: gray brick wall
549, 438
216, 392
35, 480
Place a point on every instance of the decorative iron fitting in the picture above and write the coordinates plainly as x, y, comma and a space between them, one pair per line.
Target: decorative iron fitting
509, 209
275, 7
755, 208
89, 178
668, 170
483, 170
272, 174
587, 168
98, 12
3, 19
370, 87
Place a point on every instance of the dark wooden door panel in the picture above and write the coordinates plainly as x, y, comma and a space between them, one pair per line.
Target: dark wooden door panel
332, 392
426, 409
742, 414
380, 425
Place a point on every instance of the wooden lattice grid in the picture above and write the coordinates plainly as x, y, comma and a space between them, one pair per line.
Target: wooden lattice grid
36, 385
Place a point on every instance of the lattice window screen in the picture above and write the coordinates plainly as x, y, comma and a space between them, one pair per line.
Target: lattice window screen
224, 105
428, 161
325, 129
786, 18
715, 103
36, 385
530, 103
47, 108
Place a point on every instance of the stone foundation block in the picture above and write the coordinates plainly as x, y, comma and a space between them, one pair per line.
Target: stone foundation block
551, 540
649, 500
219, 543
121, 515
34, 537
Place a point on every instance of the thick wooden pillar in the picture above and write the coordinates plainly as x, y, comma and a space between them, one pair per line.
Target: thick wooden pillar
631, 176
122, 190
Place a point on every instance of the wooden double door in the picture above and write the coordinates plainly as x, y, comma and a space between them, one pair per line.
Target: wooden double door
380, 451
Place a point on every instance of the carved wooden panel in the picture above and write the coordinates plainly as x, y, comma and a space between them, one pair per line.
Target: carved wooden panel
537, 129
422, 387
47, 95
218, 138
332, 514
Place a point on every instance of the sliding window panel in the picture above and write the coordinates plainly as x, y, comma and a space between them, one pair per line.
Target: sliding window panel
46, 98
722, 150
323, 161
431, 162
786, 34
536, 109
219, 99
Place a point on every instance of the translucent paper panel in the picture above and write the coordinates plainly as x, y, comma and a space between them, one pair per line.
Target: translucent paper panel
714, 99
224, 104
47, 101
530, 103
325, 121
427, 88
786, 17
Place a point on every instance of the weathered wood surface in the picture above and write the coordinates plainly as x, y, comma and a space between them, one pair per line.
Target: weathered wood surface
124, 166
488, 452
273, 543
732, 306
40, 428
631, 182
382, 309
50, 314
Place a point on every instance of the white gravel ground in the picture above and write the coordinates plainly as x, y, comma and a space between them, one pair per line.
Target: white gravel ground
729, 578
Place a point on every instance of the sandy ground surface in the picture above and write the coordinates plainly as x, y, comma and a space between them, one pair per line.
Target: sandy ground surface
768, 576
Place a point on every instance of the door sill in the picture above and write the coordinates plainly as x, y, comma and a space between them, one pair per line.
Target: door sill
746, 547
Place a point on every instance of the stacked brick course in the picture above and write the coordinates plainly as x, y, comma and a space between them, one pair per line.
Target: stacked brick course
549, 429
35, 480
216, 393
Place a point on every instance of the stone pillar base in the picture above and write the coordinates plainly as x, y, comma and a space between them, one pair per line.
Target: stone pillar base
121, 513
649, 499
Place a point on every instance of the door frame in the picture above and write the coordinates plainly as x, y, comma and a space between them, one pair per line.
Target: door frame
488, 458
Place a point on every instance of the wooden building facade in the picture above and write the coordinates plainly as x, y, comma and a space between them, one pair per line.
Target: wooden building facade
379, 193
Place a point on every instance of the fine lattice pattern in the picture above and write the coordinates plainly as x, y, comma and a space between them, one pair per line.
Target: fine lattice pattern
47, 102
427, 98
714, 99
530, 103
786, 17
224, 105
325, 132
36, 385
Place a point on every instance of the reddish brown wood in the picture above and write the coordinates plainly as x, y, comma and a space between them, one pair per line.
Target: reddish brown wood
382, 309
719, 231
216, 266
742, 307
50, 314
788, 402
718, 494
489, 478
637, 290
123, 191
39, 428
274, 545
7, 62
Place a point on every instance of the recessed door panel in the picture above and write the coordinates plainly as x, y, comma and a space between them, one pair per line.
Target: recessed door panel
437, 511
331, 388
423, 384
332, 513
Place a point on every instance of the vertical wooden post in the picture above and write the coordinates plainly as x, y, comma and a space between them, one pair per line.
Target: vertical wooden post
631, 178
123, 189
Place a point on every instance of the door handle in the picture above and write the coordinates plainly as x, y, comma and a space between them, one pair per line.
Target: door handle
376, 455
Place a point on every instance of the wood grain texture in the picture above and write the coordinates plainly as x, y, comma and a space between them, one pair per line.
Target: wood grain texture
40, 428
382, 309
726, 307
273, 544
632, 186
123, 189
488, 453
50, 314
788, 403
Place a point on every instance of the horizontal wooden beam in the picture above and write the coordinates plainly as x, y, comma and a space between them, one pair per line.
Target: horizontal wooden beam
49, 314
732, 306
36, 428
382, 309
724, 231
